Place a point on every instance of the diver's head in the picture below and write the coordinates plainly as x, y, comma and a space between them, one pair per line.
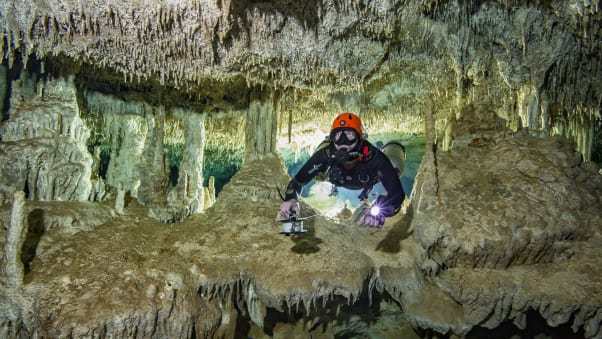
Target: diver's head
346, 132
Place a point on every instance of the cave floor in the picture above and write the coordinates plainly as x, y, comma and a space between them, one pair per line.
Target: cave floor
129, 270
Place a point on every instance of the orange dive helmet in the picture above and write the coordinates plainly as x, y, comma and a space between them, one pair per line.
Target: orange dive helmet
348, 120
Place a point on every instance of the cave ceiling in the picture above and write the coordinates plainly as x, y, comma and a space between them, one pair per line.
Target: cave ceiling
389, 56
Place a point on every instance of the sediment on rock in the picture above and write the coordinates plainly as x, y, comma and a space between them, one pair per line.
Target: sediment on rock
493, 213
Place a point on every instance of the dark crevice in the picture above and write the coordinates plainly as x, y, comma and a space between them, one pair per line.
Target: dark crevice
26, 188
105, 158
13, 73
35, 230
193, 334
173, 158
243, 326
174, 174
537, 327
6, 100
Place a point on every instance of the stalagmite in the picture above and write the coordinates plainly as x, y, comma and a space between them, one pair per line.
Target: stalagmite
15, 237
210, 193
120, 201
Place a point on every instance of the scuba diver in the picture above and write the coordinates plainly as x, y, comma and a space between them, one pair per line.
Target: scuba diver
348, 160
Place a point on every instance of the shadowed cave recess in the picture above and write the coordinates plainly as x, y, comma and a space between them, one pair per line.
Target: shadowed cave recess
143, 144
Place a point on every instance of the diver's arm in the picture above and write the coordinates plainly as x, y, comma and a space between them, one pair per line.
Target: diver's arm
391, 203
316, 164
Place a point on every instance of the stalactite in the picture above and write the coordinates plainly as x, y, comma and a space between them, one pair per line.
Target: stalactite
581, 131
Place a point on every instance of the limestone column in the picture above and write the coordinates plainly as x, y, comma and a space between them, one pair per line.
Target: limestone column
120, 201
153, 175
534, 111
128, 135
190, 179
15, 237
261, 128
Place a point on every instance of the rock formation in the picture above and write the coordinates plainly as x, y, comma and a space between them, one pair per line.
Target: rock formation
44, 144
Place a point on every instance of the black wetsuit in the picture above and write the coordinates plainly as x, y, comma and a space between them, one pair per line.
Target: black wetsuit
360, 170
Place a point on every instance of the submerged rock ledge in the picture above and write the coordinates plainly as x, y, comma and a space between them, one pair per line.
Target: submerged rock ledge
449, 268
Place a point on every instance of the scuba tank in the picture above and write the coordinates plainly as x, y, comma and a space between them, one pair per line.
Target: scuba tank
396, 153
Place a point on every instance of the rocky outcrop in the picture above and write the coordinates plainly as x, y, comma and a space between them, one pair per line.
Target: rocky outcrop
505, 223
141, 269
509, 223
504, 201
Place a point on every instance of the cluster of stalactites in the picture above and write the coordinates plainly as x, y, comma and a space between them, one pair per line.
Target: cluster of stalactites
543, 76
243, 292
580, 129
180, 43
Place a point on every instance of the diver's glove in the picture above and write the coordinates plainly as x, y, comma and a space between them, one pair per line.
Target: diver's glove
372, 218
375, 215
288, 208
